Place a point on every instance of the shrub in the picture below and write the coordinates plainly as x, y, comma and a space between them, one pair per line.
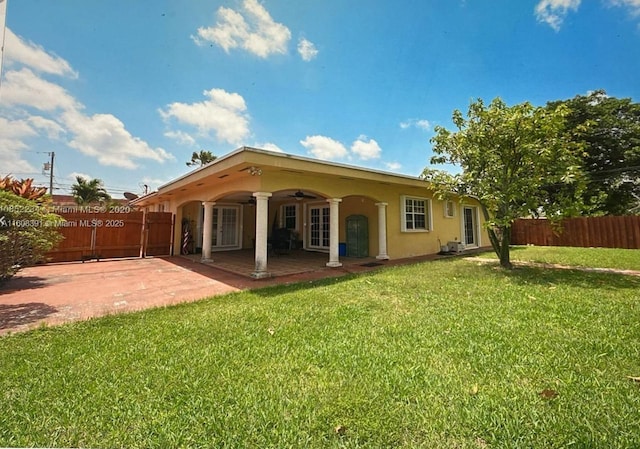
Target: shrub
23, 188
27, 232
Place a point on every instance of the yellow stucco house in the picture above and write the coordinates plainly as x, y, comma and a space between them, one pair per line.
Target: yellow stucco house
241, 200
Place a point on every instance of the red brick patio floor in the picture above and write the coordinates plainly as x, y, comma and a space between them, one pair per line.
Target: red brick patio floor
60, 293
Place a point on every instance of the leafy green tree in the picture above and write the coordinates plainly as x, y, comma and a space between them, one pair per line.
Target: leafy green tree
89, 191
611, 139
27, 232
201, 158
511, 159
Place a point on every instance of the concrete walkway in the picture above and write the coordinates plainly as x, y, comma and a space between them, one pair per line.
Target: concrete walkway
65, 292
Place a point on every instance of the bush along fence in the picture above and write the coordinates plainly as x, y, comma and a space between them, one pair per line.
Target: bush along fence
603, 232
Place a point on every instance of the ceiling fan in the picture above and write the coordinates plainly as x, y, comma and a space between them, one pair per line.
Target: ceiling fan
300, 195
250, 202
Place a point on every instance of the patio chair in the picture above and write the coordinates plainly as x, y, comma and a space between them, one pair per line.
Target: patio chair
281, 241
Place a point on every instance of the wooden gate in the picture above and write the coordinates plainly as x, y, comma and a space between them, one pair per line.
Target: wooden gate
158, 233
104, 235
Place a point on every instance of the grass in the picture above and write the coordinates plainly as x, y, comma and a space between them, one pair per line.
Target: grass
447, 354
615, 258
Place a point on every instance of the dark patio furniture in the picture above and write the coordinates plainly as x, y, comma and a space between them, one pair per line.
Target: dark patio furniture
281, 241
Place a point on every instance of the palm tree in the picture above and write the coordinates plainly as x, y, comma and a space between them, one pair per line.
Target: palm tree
201, 158
89, 191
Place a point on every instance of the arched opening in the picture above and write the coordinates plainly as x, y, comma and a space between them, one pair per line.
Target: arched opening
188, 237
232, 223
304, 215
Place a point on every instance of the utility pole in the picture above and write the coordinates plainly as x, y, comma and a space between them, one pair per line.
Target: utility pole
48, 167
53, 155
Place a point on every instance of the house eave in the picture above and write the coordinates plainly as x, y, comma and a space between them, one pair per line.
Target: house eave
245, 157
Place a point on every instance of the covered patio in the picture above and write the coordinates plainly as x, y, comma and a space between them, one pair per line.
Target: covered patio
242, 262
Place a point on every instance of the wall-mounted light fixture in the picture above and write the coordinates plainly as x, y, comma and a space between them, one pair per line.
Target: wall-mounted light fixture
253, 171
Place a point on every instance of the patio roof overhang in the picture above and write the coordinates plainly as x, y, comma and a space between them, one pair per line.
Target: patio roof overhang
247, 162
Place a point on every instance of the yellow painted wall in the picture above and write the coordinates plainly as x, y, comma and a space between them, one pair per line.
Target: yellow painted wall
358, 197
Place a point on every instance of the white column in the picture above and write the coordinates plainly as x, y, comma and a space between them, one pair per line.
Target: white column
334, 229
207, 231
262, 231
382, 231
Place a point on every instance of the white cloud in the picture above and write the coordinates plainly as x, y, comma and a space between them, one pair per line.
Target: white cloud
32, 55
25, 88
423, 124
152, 183
51, 128
393, 166
553, 12
13, 134
324, 148
307, 50
181, 137
271, 147
366, 150
223, 113
15, 129
417, 123
104, 137
632, 5
253, 29
73, 175
10, 164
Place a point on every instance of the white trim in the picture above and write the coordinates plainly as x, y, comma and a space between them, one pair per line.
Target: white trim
428, 212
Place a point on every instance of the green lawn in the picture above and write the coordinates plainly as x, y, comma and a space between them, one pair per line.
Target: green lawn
624, 259
445, 354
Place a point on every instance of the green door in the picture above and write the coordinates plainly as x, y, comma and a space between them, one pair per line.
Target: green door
357, 236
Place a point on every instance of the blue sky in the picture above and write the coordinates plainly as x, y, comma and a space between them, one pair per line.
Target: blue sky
126, 90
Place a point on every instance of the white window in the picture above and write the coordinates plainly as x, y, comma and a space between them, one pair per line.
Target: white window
289, 213
416, 214
449, 209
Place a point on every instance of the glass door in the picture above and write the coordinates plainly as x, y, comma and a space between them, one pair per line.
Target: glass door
470, 228
226, 228
319, 229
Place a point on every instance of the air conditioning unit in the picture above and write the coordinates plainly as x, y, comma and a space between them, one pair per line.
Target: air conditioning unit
455, 247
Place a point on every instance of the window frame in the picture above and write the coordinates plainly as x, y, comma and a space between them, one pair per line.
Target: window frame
453, 209
428, 214
283, 220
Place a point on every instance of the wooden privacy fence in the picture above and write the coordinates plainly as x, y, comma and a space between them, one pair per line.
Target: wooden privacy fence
604, 232
158, 233
103, 235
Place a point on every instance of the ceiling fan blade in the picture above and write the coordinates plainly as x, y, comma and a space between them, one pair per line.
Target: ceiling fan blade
300, 194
